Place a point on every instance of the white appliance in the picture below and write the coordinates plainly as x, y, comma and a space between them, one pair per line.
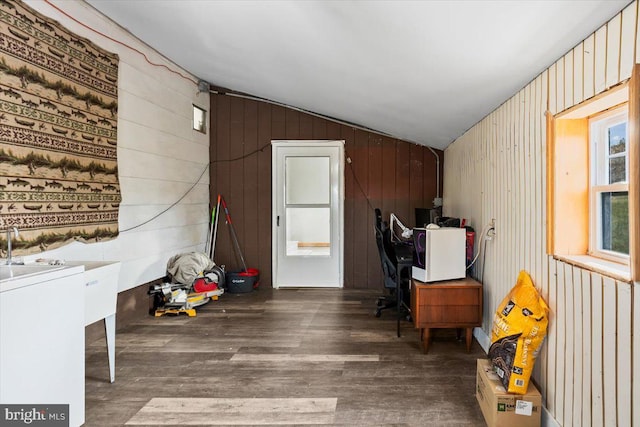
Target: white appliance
439, 254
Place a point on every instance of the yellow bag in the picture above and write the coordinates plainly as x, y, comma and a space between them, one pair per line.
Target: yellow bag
519, 328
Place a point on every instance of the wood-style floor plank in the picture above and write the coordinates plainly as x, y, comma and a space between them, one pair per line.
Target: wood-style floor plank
282, 357
226, 411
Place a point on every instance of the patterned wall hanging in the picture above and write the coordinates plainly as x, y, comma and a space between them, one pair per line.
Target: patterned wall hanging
58, 117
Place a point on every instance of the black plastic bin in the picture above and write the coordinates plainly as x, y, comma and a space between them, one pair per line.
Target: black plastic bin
240, 282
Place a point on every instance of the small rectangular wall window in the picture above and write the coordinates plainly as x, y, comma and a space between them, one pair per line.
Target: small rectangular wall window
199, 119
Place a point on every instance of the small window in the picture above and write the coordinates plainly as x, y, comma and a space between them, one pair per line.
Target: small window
590, 181
199, 119
609, 191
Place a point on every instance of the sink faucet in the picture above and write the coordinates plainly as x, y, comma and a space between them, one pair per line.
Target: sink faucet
9, 231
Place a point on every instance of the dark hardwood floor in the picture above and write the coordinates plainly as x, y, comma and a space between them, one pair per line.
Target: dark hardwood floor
282, 357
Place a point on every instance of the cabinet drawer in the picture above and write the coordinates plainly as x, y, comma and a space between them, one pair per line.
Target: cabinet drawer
446, 304
449, 314
447, 296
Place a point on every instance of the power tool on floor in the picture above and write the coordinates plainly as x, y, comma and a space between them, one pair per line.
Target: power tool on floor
192, 280
175, 298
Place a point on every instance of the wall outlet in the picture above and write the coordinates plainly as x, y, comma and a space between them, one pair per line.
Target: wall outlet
491, 233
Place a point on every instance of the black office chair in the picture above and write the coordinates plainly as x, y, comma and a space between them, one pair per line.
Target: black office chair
389, 267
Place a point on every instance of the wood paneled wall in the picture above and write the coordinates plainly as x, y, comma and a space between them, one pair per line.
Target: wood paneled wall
394, 175
589, 364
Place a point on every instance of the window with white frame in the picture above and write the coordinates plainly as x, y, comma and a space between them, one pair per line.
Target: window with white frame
593, 177
199, 119
609, 189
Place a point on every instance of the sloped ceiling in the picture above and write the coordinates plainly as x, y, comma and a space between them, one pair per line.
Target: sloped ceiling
423, 71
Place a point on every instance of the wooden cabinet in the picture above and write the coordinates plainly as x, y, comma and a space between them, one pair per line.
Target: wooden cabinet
448, 304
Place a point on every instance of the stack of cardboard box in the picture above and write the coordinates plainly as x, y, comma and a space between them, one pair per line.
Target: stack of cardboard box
502, 409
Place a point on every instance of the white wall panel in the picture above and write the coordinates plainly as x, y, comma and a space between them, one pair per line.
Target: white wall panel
552, 89
497, 169
623, 345
548, 359
609, 362
172, 97
635, 385
586, 347
541, 276
148, 114
129, 245
183, 213
578, 74
588, 62
560, 85
561, 343
147, 192
578, 309
569, 81
628, 40
528, 186
600, 60
160, 156
597, 380
144, 165
537, 163
148, 140
613, 50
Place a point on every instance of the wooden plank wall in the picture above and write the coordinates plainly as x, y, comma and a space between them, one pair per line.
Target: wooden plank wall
497, 169
388, 173
160, 157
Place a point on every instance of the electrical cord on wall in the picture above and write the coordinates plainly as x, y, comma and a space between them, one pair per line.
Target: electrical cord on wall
120, 43
355, 178
484, 258
484, 236
171, 206
193, 186
349, 162
244, 156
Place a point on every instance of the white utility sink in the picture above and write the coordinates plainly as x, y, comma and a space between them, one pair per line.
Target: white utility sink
42, 323
19, 271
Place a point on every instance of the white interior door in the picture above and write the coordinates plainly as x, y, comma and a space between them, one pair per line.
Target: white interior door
308, 194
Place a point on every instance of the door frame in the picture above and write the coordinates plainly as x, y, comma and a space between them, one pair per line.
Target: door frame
292, 143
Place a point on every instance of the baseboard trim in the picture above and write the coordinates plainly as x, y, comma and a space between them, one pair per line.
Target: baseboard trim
482, 338
546, 420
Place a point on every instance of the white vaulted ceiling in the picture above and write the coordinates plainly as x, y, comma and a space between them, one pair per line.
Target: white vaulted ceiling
423, 71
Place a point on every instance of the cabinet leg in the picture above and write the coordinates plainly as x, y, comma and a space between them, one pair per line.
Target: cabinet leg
110, 332
469, 338
426, 337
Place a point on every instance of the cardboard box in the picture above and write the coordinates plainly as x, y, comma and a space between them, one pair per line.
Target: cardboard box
502, 409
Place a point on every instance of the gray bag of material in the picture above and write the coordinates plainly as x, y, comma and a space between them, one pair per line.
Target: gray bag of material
185, 268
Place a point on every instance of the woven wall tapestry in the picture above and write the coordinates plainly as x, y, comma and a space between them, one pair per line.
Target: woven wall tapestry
58, 118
